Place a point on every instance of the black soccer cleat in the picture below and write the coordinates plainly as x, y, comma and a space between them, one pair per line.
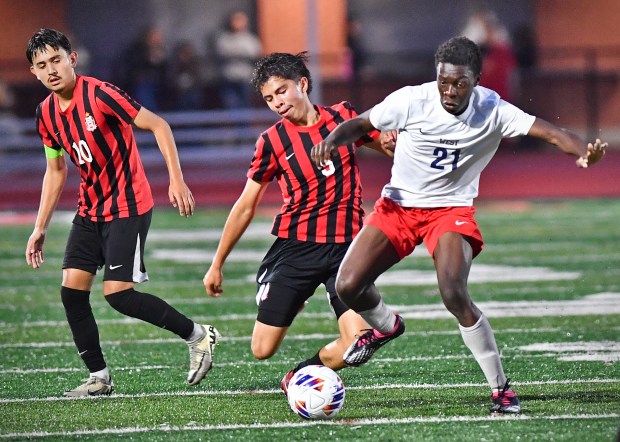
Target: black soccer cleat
365, 345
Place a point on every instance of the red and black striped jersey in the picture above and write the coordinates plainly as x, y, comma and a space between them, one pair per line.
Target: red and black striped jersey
320, 205
96, 132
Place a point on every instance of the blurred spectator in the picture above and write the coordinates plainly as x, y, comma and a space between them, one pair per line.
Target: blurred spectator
526, 47
356, 50
84, 65
499, 65
237, 49
145, 70
9, 127
187, 77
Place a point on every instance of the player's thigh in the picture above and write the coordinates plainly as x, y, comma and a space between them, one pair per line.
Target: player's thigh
289, 275
84, 251
278, 304
453, 259
371, 253
266, 339
123, 248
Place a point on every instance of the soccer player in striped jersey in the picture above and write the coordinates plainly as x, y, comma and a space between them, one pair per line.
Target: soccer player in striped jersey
321, 212
448, 131
91, 121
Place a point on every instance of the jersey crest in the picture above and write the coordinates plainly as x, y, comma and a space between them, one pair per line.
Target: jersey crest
90, 123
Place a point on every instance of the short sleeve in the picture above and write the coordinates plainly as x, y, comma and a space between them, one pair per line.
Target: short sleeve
48, 140
263, 167
514, 122
352, 113
392, 112
112, 100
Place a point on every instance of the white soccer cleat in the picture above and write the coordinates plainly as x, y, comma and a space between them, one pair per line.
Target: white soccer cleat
201, 355
94, 386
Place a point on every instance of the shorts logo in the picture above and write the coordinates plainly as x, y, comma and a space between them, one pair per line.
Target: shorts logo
460, 223
261, 277
115, 267
263, 293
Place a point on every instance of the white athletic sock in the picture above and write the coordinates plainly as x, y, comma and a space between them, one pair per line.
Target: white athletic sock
381, 317
102, 374
480, 340
197, 334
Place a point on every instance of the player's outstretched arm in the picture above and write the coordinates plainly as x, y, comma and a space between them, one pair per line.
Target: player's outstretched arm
569, 143
53, 183
345, 133
179, 194
238, 220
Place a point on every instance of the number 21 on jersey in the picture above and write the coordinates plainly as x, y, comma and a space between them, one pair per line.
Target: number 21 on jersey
441, 154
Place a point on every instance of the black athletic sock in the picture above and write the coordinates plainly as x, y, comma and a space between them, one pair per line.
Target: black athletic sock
151, 309
314, 360
83, 327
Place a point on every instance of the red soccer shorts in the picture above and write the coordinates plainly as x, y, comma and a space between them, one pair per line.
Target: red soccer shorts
407, 227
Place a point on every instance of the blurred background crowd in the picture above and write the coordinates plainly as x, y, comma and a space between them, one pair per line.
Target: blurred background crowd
198, 55
190, 60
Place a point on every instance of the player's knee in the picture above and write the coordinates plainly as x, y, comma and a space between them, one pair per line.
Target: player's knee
262, 350
347, 287
456, 300
75, 302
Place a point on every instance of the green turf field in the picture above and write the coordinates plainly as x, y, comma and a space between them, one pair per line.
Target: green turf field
548, 279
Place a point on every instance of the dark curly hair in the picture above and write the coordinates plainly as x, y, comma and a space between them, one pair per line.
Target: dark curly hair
283, 65
46, 37
460, 51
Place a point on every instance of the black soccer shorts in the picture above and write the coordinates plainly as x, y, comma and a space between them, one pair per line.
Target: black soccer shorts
290, 273
116, 245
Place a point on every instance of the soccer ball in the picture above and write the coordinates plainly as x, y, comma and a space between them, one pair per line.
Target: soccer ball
316, 392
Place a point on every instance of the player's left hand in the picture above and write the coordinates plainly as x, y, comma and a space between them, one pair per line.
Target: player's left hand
181, 197
593, 155
388, 141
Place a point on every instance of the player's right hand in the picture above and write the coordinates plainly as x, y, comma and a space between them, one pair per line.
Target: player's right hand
213, 282
322, 152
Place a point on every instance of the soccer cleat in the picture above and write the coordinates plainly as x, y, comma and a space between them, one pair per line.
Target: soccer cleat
94, 386
365, 345
201, 355
505, 400
285, 380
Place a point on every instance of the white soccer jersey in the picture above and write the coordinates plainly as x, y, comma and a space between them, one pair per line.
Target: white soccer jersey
439, 156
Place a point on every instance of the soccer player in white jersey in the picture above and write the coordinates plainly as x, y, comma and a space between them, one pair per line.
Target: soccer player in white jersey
447, 132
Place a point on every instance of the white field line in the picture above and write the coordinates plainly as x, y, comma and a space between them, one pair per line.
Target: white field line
399, 386
353, 423
292, 337
596, 304
205, 256
597, 356
227, 298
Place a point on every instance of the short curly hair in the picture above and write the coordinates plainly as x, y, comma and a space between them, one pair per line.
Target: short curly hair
283, 65
460, 51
